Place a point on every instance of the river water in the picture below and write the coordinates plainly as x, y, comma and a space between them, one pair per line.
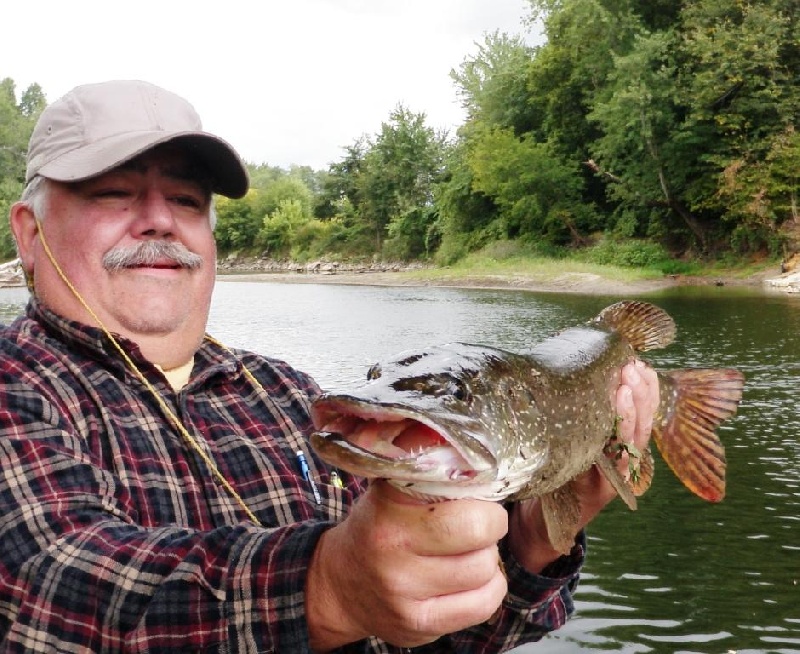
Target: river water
677, 576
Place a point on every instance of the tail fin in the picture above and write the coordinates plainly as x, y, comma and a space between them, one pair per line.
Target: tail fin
694, 403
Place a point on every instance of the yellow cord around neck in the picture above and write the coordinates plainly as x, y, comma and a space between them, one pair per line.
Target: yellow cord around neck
187, 437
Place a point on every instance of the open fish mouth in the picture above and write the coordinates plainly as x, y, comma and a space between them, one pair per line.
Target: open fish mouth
394, 441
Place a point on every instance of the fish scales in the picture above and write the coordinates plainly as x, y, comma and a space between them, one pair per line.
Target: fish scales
462, 420
578, 373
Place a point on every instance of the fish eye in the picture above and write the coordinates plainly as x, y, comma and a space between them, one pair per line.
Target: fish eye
458, 389
374, 372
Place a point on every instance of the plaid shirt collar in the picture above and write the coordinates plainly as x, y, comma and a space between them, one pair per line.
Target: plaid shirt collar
210, 359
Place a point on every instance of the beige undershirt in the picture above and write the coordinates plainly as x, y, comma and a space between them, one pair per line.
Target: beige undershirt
178, 377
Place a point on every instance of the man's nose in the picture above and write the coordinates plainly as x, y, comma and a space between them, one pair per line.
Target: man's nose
156, 216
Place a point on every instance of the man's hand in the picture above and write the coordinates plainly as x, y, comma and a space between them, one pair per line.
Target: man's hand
636, 403
405, 571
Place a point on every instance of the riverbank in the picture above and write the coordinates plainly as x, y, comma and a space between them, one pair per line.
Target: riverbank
564, 281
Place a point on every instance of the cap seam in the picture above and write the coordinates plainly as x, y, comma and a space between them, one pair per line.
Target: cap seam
150, 102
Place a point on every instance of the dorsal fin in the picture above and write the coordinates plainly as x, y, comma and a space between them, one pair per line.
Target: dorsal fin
645, 326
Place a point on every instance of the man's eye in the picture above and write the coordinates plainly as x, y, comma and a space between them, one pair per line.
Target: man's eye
111, 193
188, 201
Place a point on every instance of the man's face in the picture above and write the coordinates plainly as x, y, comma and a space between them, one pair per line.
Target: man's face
156, 197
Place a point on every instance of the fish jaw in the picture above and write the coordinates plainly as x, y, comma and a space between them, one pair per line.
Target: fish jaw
397, 442
430, 456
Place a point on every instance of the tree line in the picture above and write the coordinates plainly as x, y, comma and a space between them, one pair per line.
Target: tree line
670, 124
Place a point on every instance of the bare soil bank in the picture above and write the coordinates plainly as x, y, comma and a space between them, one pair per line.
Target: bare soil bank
566, 282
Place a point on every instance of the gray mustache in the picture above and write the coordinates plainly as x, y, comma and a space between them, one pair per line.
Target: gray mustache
147, 253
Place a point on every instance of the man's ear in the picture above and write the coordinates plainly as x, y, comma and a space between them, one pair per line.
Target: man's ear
25, 230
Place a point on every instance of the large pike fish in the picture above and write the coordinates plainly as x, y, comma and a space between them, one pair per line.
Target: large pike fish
461, 420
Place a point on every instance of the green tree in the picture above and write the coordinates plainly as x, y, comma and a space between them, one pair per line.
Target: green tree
16, 124
639, 154
397, 179
538, 194
287, 187
238, 222
762, 197
341, 183
739, 84
567, 73
464, 214
493, 84
32, 103
539, 99
17, 120
281, 225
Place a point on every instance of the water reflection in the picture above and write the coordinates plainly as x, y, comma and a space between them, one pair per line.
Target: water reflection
337, 332
12, 302
678, 575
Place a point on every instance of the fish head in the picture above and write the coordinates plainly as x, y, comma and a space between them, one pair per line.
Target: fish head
434, 422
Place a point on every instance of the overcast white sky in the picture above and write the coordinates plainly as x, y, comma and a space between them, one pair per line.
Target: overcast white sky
285, 81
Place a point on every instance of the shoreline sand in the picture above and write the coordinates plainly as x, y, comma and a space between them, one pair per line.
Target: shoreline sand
566, 282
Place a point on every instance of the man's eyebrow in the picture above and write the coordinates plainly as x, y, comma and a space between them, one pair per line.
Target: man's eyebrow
191, 172
185, 171
135, 165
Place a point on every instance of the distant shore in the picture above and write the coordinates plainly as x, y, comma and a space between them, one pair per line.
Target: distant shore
565, 282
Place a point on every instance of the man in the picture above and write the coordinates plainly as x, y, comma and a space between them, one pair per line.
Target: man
151, 495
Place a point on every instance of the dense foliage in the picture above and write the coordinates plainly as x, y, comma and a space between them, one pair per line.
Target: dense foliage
671, 126
17, 118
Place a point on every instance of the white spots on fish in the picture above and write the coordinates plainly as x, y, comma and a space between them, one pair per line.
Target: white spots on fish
524, 451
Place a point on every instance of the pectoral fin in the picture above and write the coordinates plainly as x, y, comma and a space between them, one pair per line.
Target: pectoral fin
562, 517
610, 471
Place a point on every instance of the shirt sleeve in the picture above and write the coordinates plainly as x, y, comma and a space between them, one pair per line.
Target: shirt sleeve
80, 569
535, 605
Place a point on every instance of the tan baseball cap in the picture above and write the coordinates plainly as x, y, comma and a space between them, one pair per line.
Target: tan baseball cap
97, 127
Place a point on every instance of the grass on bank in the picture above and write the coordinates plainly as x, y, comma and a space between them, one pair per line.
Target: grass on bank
626, 261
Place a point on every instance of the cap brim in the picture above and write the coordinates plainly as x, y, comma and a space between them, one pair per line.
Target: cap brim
228, 172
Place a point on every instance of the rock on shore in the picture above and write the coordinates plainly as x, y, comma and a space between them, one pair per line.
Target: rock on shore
253, 265
788, 282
